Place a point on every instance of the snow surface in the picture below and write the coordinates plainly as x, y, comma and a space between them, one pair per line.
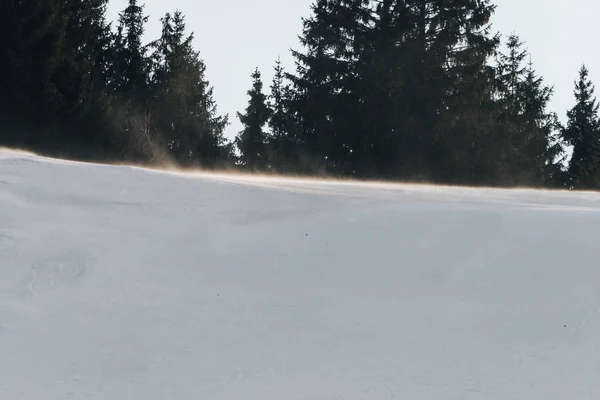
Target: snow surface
123, 283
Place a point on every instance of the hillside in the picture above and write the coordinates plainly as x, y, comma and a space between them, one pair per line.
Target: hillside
123, 283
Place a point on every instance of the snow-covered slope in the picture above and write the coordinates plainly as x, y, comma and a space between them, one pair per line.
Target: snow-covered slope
123, 283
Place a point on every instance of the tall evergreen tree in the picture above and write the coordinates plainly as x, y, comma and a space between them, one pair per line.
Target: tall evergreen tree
583, 134
526, 142
52, 78
543, 150
452, 43
383, 136
397, 87
278, 119
131, 69
324, 101
427, 83
252, 140
184, 114
31, 38
128, 82
82, 77
511, 133
85, 45
282, 143
511, 73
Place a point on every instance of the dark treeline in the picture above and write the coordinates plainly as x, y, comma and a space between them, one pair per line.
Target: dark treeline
75, 86
418, 90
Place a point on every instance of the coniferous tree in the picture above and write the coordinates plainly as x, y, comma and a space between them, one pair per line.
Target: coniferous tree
583, 134
527, 145
187, 126
452, 47
167, 93
85, 46
324, 99
53, 79
282, 143
511, 72
82, 77
511, 132
384, 70
131, 69
399, 81
278, 119
129, 75
543, 150
427, 81
252, 140
31, 38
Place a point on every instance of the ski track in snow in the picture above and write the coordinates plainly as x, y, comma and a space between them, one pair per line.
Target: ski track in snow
122, 282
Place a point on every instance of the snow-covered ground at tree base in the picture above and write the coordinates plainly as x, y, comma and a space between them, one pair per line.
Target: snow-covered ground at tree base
123, 283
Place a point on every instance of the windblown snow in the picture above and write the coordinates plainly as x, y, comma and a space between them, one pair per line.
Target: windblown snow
123, 283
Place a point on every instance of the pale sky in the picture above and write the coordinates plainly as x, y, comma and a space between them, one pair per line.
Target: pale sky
235, 36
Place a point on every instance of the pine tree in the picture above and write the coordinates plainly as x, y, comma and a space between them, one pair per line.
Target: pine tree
187, 126
397, 88
31, 38
425, 82
452, 45
82, 78
511, 73
57, 55
511, 132
543, 149
583, 134
526, 145
252, 140
128, 82
131, 64
85, 46
384, 70
324, 102
282, 143
278, 119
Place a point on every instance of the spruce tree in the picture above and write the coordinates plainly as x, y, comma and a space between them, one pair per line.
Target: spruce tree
82, 78
31, 44
54, 77
85, 45
324, 103
511, 132
510, 75
131, 64
526, 145
129, 75
278, 119
282, 143
252, 140
384, 68
397, 88
582, 132
429, 80
452, 48
187, 127
543, 150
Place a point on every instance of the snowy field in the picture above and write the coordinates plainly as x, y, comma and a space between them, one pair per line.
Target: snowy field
123, 283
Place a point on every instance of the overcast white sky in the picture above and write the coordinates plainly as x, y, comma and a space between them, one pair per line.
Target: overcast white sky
235, 36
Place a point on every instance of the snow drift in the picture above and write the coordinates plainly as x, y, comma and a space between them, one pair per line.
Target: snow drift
124, 283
